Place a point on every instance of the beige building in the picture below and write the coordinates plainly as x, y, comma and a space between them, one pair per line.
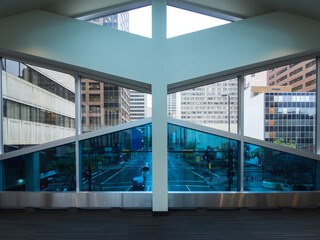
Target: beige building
103, 105
210, 105
256, 90
300, 76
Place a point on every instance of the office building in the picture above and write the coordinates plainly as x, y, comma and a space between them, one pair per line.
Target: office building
44, 109
300, 76
211, 105
138, 105
103, 105
276, 114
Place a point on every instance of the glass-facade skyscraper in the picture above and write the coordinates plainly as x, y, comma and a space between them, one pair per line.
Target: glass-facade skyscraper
291, 116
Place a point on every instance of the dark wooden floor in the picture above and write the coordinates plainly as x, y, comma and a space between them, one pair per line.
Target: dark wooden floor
140, 225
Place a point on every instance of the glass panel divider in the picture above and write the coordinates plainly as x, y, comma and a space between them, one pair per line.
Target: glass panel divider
1, 129
317, 137
78, 123
241, 131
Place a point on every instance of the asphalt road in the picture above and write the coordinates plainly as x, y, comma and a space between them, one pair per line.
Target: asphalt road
119, 178
181, 176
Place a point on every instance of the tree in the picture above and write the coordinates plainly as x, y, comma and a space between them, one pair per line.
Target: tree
281, 141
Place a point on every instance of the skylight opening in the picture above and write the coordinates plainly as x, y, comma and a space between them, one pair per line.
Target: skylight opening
137, 21
180, 21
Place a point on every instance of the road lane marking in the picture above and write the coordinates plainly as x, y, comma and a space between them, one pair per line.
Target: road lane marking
184, 181
196, 173
210, 173
100, 173
203, 186
113, 176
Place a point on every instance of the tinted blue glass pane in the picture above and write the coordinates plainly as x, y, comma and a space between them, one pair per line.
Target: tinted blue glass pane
120, 161
199, 161
270, 170
15, 174
47, 170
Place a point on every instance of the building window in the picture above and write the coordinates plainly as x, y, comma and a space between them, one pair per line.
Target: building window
310, 63
296, 80
297, 88
296, 71
282, 78
308, 74
94, 86
83, 109
94, 98
25, 113
312, 82
95, 120
94, 109
282, 71
13, 110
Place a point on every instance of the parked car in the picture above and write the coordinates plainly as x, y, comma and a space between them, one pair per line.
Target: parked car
145, 166
137, 183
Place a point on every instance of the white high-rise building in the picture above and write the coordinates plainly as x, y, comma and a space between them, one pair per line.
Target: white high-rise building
138, 105
211, 105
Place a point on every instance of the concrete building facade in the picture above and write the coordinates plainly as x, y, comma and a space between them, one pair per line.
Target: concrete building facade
103, 105
300, 76
138, 105
43, 111
211, 105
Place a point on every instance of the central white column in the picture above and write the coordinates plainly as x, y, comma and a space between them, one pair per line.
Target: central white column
159, 149
159, 113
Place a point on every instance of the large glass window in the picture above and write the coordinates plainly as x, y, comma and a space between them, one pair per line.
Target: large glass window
200, 161
270, 170
111, 105
31, 116
214, 105
120, 161
282, 109
47, 170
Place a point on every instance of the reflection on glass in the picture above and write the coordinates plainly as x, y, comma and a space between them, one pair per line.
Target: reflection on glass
270, 170
47, 170
199, 161
119, 161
